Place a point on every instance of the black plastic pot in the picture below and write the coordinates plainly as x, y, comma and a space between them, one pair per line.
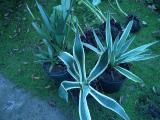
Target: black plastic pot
59, 73
111, 80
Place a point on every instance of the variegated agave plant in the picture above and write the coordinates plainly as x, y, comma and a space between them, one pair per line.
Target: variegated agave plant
76, 67
118, 50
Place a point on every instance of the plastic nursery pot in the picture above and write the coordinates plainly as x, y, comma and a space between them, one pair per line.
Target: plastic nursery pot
111, 80
59, 73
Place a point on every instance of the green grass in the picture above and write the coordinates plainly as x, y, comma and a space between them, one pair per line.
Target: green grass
17, 51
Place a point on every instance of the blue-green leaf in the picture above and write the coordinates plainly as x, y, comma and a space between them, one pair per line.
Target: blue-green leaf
66, 5
41, 56
30, 12
100, 67
79, 56
109, 103
40, 31
139, 58
125, 35
92, 48
70, 63
128, 74
108, 34
83, 106
100, 45
125, 47
138, 50
49, 47
65, 86
44, 17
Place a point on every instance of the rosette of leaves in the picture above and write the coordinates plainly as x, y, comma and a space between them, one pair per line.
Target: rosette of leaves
53, 32
54, 28
118, 50
76, 67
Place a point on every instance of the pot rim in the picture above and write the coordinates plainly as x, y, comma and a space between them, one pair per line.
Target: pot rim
60, 73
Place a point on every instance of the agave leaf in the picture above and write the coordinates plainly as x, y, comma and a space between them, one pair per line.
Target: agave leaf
41, 56
131, 56
44, 17
57, 20
99, 68
147, 57
66, 5
93, 9
109, 103
50, 49
115, 49
30, 12
128, 74
69, 62
92, 48
108, 35
83, 106
138, 50
125, 47
98, 42
140, 58
40, 31
79, 55
65, 86
125, 35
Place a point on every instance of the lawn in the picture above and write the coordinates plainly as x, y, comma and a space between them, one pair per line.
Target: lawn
19, 41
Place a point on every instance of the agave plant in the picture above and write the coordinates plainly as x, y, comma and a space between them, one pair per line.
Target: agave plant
118, 50
76, 67
55, 24
54, 32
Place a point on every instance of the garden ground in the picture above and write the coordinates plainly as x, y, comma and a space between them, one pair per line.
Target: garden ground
17, 104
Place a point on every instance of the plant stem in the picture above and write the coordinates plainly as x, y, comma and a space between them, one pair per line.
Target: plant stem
94, 10
121, 9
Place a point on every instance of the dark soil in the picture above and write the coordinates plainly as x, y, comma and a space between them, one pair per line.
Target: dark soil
136, 23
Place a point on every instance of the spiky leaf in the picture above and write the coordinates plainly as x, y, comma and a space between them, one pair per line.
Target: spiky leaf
129, 74
70, 63
109, 103
65, 86
79, 55
100, 67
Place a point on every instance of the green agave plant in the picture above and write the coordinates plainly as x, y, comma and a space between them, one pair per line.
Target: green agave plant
54, 32
76, 67
55, 24
118, 50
